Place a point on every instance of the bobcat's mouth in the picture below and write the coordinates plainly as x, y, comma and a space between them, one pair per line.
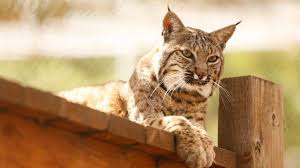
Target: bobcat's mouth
192, 81
196, 81
203, 88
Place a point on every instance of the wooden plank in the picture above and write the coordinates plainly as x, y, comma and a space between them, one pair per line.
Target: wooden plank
251, 124
89, 119
129, 129
49, 111
25, 143
11, 92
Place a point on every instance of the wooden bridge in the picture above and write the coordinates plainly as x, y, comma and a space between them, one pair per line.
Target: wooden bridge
40, 130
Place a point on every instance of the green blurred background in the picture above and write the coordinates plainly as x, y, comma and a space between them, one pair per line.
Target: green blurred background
58, 45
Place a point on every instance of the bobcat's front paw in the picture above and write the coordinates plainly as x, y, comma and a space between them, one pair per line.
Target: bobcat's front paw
193, 145
196, 150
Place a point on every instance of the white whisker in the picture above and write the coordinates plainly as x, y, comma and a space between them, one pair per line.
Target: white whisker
178, 86
163, 79
228, 97
171, 87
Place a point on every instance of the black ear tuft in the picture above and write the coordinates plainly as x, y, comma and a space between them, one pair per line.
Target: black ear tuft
238, 22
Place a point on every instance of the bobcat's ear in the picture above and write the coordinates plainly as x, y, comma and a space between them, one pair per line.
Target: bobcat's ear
221, 36
171, 23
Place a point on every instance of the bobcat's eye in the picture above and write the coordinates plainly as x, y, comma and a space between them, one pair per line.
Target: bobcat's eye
212, 59
187, 53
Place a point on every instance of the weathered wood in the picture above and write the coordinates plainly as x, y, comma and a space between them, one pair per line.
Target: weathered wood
53, 132
251, 122
25, 143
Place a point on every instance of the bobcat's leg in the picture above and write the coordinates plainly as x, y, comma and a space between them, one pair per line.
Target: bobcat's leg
193, 144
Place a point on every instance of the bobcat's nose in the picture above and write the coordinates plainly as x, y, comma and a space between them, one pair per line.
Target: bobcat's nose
201, 72
202, 76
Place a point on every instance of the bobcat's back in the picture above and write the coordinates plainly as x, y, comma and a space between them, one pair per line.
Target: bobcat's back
109, 98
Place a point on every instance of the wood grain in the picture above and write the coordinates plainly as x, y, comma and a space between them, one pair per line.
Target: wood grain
251, 124
26, 144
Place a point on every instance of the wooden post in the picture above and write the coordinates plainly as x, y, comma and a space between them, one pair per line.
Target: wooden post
251, 122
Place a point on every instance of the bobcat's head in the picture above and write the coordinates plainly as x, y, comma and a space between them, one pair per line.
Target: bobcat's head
191, 59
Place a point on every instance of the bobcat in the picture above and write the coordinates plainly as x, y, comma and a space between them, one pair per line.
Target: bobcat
169, 88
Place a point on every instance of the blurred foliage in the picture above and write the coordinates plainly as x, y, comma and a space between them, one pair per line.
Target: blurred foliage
44, 9
36, 10
41, 10
282, 67
9, 10
55, 74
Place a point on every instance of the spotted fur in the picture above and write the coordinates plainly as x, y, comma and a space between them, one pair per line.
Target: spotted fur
169, 88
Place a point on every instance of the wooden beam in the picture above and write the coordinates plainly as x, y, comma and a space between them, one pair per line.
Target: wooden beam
251, 122
23, 107
25, 143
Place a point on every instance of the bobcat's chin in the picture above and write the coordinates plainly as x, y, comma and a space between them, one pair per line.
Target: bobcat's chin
205, 89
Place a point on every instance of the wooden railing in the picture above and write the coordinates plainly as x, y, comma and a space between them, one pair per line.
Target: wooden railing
38, 129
